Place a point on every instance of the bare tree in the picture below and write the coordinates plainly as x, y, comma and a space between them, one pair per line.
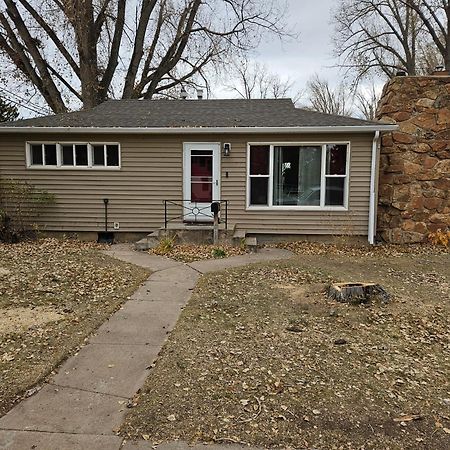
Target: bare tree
366, 101
388, 35
435, 18
83, 51
253, 80
324, 98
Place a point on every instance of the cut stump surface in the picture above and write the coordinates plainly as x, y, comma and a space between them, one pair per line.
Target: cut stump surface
357, 292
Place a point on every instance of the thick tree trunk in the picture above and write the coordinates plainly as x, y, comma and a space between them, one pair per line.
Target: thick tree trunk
85, 31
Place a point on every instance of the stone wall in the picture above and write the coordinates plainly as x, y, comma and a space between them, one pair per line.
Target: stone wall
414, 185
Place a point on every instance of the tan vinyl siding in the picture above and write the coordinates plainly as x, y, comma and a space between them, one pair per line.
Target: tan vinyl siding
152, 172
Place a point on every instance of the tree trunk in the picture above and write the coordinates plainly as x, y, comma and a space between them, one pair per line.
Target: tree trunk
87, 49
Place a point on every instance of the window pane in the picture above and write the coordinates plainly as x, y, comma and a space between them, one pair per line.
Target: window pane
297, 176
258, 191
201, 176
334, 195
36, 155
259, 160
99, 155
112, 155
336, 159
50, 154
67, 155
81, 157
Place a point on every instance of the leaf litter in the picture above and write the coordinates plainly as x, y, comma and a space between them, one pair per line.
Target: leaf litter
53, 295
232, 372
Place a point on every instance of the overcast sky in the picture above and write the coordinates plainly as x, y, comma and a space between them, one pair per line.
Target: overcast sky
313, 51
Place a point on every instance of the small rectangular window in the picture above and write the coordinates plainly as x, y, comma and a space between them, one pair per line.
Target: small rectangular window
336, 159
36, 155
81, 155
259, 191
50, 154
259, 159
67, 155
112, 155
334, 191
98, 155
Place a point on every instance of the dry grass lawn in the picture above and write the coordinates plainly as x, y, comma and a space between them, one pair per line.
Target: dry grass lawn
53, 294
260, 356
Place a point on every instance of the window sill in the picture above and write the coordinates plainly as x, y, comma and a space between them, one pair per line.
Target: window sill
77, 168
297, 208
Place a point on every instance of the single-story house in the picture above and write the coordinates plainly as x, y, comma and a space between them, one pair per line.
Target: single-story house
275, 168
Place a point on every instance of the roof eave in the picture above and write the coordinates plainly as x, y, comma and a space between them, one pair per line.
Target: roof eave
201, 130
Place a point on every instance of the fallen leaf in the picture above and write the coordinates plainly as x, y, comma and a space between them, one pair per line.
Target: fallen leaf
408, 418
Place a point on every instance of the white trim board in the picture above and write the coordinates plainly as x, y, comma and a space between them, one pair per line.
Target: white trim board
201, 130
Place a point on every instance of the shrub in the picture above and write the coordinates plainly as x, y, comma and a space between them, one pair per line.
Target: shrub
218, 252
165, 245
20, 206
440, 237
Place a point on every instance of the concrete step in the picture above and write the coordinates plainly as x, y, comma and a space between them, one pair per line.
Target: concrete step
150, 241
252, 243
239, 234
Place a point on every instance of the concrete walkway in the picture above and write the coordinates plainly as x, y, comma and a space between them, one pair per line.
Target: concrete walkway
84, 404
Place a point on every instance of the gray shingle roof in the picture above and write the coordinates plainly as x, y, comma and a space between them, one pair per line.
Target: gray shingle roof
192, 113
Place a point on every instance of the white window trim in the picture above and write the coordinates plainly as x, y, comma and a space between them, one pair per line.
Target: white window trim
60, 166
323, 176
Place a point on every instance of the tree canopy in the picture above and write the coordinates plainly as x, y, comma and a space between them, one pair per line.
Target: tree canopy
84, 51
8, 112
385, 36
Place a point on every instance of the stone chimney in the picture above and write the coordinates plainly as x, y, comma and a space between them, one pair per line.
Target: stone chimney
414, 187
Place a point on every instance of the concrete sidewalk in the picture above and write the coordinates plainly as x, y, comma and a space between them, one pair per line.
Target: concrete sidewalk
84, 404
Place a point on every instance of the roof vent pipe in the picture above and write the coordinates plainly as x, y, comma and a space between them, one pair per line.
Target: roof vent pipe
200, 94
184, 94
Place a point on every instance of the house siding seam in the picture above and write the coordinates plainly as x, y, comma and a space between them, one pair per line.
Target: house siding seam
152, 172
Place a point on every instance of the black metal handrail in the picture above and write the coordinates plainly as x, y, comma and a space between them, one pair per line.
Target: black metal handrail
195, 210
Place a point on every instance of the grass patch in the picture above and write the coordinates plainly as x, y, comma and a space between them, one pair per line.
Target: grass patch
260, 356
53, 295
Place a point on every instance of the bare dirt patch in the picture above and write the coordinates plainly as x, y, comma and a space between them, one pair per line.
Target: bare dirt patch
261, 356
53, 296
20, 319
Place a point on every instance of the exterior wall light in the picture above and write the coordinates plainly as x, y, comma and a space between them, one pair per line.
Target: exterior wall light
226, 149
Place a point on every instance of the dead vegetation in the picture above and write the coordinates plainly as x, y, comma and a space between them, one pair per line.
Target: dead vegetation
382, 250
261, 356
196, 252
53, 294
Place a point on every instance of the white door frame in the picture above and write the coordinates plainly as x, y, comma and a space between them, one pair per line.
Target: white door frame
205, 210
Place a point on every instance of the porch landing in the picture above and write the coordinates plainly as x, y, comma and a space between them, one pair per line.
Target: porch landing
199, 233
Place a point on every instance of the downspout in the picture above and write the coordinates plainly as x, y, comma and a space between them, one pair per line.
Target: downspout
373, 194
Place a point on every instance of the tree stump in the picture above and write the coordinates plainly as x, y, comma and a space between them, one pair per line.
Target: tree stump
358, 292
